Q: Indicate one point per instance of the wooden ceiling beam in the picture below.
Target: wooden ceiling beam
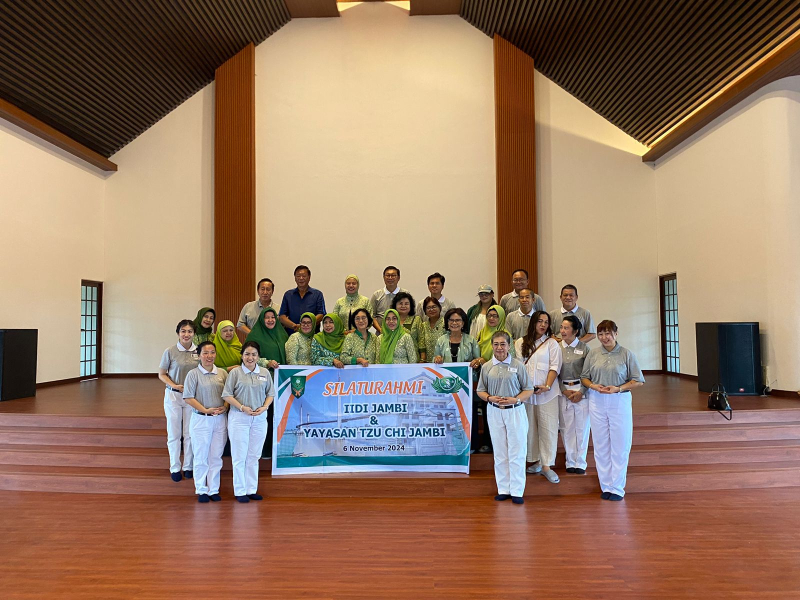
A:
(782, 62)
(42, 130)
(435, 7)
(312, 9)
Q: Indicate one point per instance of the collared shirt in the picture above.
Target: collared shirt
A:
(205, 386)
(583, 315)
(381, 301)
(345, 306)
(293, 306)
(177, 361)
(250, 388)
(611, 368)
(445, 304)
(298, 349)
(517, 323)
(250, 313)
(405, 352)
(510, 302)
(546, 357)
(507, 378)
(468, 349)
(356, 347)
(573, 357)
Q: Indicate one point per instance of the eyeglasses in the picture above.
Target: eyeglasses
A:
(456, 321)
(518, 280)
(432, 307)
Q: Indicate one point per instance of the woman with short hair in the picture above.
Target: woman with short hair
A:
(360, 347)
(404, 304)
(610, 373)
(249, 391)
(203, 392)
(431, 329)
(573, 405)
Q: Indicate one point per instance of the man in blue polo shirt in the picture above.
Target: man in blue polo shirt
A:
(300, 300)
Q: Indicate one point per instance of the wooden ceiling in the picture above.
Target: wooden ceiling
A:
(644, 65)
(102, 72)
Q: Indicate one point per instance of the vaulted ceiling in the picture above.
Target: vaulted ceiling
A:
(104, 71)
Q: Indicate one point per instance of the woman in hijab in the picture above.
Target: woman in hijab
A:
(204, 325)
(351, 301)
(229, 348)
(396, 347)
(327, 344)
(271, 338)
(298, 347)
(495, 321)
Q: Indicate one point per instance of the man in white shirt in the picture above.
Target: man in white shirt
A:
(251, 310)
(435, 289)
(510, 302)
(381, 300)
(569, 306)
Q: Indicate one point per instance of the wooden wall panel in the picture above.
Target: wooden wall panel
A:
(435, 7)
(312, 9)
(515, 164)
(235, 184)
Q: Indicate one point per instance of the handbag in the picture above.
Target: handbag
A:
(718, 401)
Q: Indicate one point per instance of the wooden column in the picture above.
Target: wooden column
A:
(515, 164)
(235, 184)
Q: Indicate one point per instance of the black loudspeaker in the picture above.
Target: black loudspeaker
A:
(18, 363)
(729, 354)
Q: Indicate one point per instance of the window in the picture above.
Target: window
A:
(670, 349)
(91, 327)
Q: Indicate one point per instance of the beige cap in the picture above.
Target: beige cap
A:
(485, 288)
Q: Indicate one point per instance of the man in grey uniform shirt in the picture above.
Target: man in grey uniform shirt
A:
(251, 310)
(569, 306)
(517, 322)
(436, 290)
(510, 302)
(381, 300)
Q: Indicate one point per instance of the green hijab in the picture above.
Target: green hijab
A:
(198, 321)
(389, 339)
(332, 341)
(313, 318)
(485, 336)
(356, 295)
(272, 342)
(229, 354)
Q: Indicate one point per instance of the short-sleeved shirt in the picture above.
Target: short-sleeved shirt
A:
(510, 302)
(298, 349)
(250, 388)
(381, 301)
(177, 361)
(611, 368)
(573, 356)
(293, 306)
(356, 347)
(445, 304)
(205, 386)
(584, 316)
(517, 323)
(250, 313)
(504, 378)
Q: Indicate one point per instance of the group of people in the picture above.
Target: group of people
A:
(218, 388)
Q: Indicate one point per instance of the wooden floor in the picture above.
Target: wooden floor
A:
(145, 397)
(733, 545)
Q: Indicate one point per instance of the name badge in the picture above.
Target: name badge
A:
(262, 377)
(512, 370)
(578, 351)
(195, 356)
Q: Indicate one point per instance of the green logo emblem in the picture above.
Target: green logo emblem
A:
(447, 385)
(298, 385)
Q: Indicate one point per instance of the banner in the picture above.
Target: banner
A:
(376, 418)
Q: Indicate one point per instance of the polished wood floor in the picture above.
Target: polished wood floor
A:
(733, 545)
(145, 397)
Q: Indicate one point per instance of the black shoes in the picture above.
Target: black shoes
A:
(518, 499)
(570, 469)
(501, 497)
(176, 476)
(215, 497)
(605, 495)
(255, 496)
(203, 498)
(243, 499)
(614, 497)
(579, 471)
(188, 474)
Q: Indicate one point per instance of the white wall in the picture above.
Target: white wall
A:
(52, 212)
(377, 131)
(159, 236)
(728, 214)
(597, 219)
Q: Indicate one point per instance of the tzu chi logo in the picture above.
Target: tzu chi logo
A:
(446, 385)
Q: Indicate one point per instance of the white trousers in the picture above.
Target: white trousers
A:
(178, 416)
(247, 435)
(612, 435)
(543, 432)
(209, 434)
(575, 428)
(509, 430)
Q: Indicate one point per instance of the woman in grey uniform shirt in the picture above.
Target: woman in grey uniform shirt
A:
(504, 384)
(249, 391)
(610, 373)
(572, 402)
(203, 392)
(176, 362)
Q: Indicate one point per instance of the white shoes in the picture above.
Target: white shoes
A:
(534, 469)
(551, 476)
